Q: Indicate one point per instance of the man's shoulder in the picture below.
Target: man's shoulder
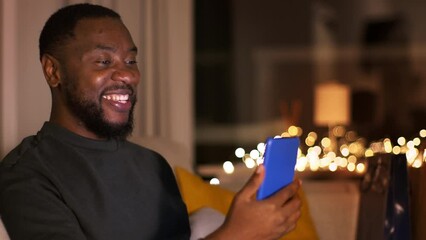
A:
(20, 150)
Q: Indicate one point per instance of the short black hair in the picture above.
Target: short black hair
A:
(60, 26)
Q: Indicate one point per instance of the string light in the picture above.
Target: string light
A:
(350, 156)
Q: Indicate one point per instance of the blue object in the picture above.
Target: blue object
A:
(279, 161)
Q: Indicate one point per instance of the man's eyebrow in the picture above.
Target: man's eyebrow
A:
(113, 49)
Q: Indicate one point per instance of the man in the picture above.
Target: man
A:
(79, 178)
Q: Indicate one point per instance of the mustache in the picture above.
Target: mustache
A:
(120, 87)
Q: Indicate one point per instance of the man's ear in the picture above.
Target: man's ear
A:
(51, 70)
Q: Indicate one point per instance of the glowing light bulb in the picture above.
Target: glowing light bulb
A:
(332, 167)
(293, 131)
(422, 133)
(326, 142)
(254, 154)
(417, 163)
(240, 152)
(401, 141)
(351, 167)
(352, 159)
(416, 141)
(261, 147)
(388, 145)
(228, 167)
(214, 181)
(369, 153)
(301, 164)
(396, 150)
(250, 163)
(360, 167)
(344, 150)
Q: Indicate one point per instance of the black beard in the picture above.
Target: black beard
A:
(92, 115)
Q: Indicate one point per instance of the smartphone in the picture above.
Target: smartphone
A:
(279, 161)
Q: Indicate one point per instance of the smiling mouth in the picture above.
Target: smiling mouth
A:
(121, 98)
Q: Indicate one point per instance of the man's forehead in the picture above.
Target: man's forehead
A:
(98, 24)
(103, 33)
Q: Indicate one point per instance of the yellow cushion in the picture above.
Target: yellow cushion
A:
(197, 194)
(305, 229)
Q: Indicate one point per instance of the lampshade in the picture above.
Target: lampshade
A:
(332, 104)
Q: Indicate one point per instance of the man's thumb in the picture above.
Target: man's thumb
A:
(254, 182)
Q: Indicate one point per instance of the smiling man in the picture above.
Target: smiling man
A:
(79, 178)
(93, 76)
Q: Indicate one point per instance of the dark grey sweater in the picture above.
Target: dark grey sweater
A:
(59, 185)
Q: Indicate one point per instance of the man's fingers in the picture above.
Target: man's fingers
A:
(286, 193)
(293, 209)
(291, 212)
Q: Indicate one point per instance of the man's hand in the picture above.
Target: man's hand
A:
(271, 218)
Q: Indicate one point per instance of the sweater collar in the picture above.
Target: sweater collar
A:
(64, 135)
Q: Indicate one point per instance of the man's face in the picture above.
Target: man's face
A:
(100, 76)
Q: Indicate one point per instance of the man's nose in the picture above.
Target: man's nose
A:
(126, 75)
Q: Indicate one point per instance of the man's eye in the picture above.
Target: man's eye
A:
(131, 62)
(104, 62)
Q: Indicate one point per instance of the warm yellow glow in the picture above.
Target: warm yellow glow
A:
(360, 167)
(396, 150)
(301, 164)
(417, 163)
(422, 133)
(313, 135)
(401, 141)
(310, 141)
(214, 181)
(345, 156)
(312, 156)
(250, 163)
(285, 134)
(299, 153)
(300, 168)
(254, 154)
(416, 141)
(376, 147)
(332, 167)
(317, 150)
(324, 162)
(299, 131)
(388, 145)
(240, 152)
(411, 155)
(351, 136)
(261, 147)
(369, 153)
(228, 167)
(331, 155)
(326, 142)
(354, 147)
(339, 131)
(344, 150)
(351, 167)
(293, 131)
(314, 164)
(352, 159)
(343, 162)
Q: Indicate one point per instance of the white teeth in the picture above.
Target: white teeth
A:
(117, 97)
